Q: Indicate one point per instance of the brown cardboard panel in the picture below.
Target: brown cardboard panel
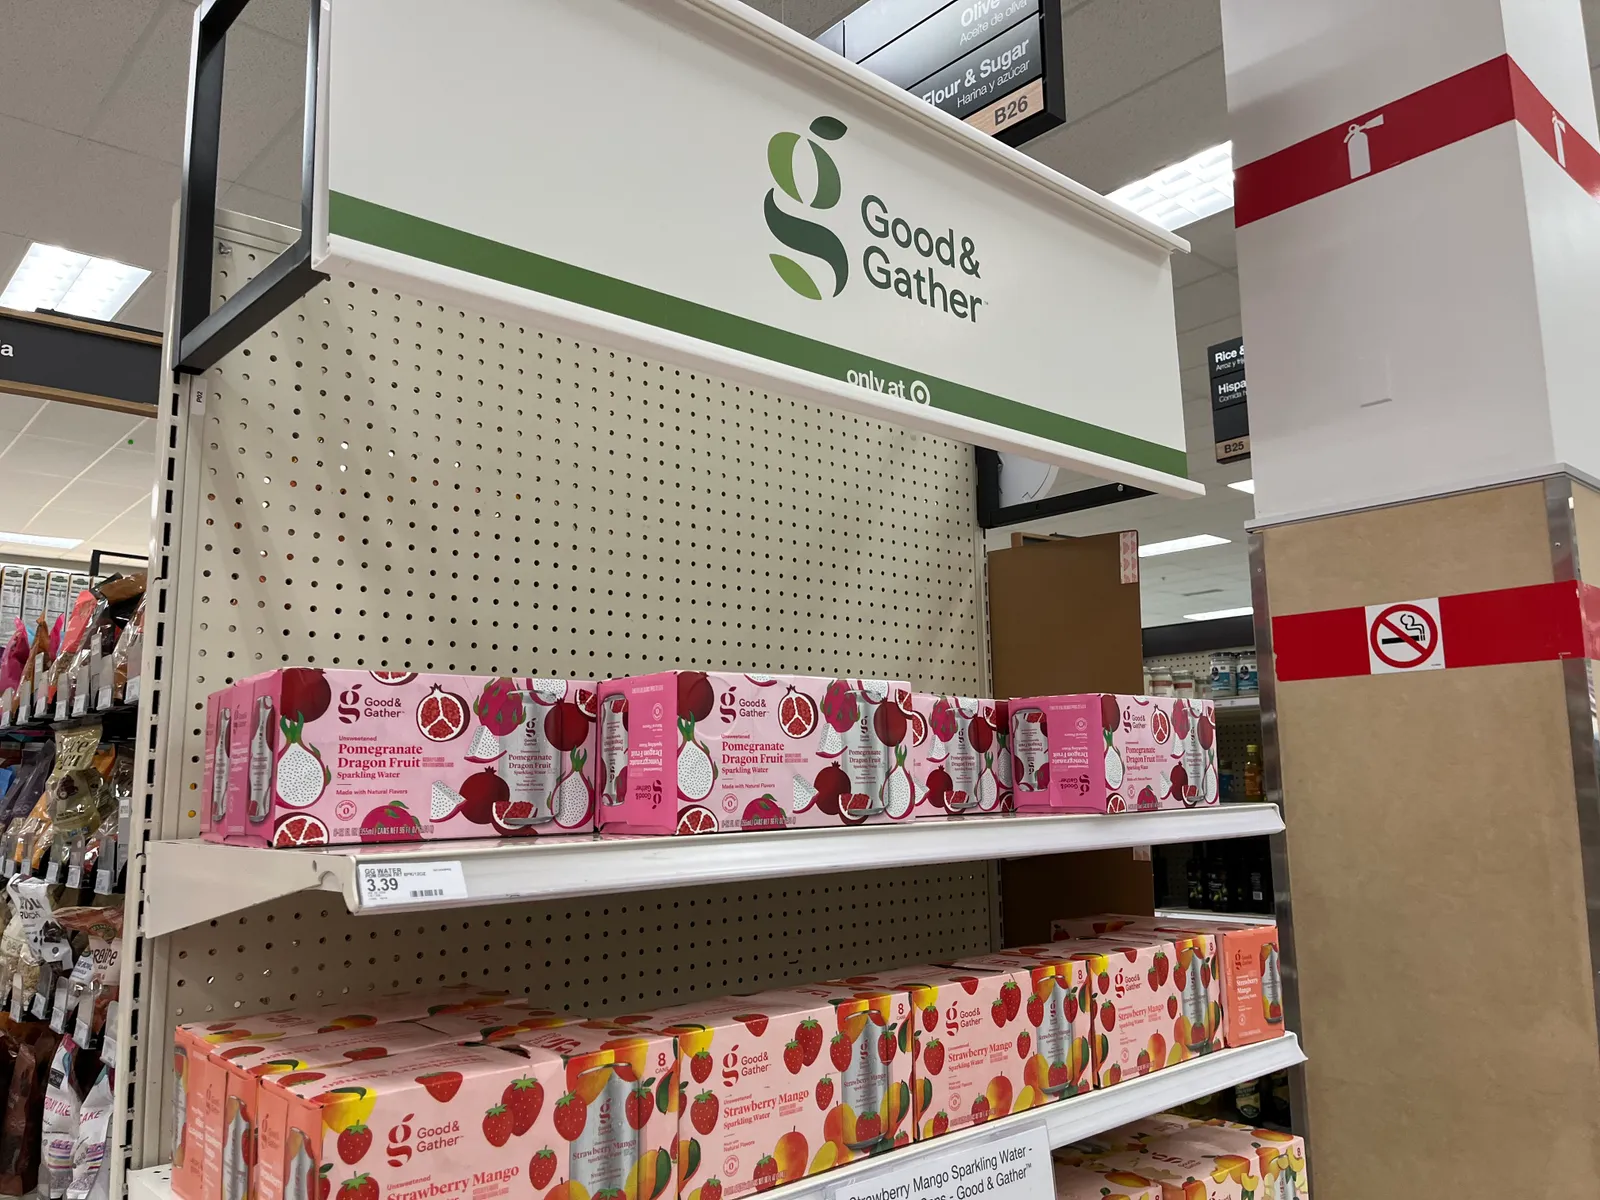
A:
(1035, 891)
(1586, 516)
(1061, 620)
(1468, 543)
(1439, 916)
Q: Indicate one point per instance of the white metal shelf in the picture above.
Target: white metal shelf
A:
(1065, 1121)
(189, 882)
(1237, 703)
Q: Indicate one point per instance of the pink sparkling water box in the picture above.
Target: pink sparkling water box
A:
(1100, 753)
(337, 757)
(960, 755)
(698, 752)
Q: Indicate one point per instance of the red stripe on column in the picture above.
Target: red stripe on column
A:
(1538, 116)
(1320, 645)
(1513, 625)
(1446, 112)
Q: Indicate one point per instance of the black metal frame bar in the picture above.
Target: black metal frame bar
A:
(992, 514)
(201, 335)
(94, 560)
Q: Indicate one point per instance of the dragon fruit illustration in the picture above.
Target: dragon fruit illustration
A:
(547, 691)
(500, 709)
(301, 777)
(444, 801)
(697, 771)
(390, 822)
(1114, 768)
(875, 690)
(898, 792)
(573, 796)
(841, 710)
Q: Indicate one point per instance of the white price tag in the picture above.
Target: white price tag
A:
(9, 867)
(80, 702)
(52, 872)
(19, 996)
(81, 1032)
(410, 883)
(102, 882)
(102, 698)
(1014, 1166)
(74, 876)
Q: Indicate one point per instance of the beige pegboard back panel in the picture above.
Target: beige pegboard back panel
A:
(377, 481)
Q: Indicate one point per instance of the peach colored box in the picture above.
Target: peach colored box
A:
(579, 1116)
(1181, 1174)
(781, 1085)
(1247, 962)
(340, 756)
(1075, 1183)
(972, 1051)
(692, 752)
(1056, 1011)
(960, 755)
(1103, 753)
(1154, 1003)
(1135, 1135)
(496, 1022)
(1279, 1158)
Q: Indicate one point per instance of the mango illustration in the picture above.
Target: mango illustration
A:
(827, 1157)
(688, 1160)
(840, 1124)
(1026, 1099)
(347, 1106)
(999, 1096)
(792, 1155)
(569, 1189)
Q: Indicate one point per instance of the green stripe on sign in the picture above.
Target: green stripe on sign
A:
(402, 233)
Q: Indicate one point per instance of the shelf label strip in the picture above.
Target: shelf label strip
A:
(384, 884)
(1015, 1165)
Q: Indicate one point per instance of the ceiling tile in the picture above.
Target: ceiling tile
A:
(1113, 49)
(80, 423)
(1213, 240)
(1207, 302)
(30, 185)
(238, 198)
(57, 61)
(145, 114)
(809, 17)
(1192, 345)
(263, 89)
(125, 467)
(147, 309)
(51, 455)
(131, 221)
(286, 19)
(15, 414)
(277, 170)
(1190, 268)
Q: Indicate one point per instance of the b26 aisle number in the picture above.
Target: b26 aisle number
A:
(1010, 110)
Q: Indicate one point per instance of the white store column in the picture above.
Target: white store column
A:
(1418, 210)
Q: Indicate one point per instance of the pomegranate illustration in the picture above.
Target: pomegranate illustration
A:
(393, 678)
(940, 786)
(797, 714)
(391, 822)
(1110, 713)
(943, 728)
(305, 694)
(573, 797)
(840, 709)
(442, 716)
(899, 792)
(301, 777)
(763, 813)
(515, 818)
(824, 792)
(889, 723)
(565, 726)
(480, 792)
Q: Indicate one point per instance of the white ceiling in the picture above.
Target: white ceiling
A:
(92, 96)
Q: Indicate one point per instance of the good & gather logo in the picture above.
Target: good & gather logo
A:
(797, 233)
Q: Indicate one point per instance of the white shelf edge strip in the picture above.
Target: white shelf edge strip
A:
(1065, 1121)
(190, 882)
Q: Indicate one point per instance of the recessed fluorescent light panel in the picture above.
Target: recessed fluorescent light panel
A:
(1219, 614)
(1248, 486)
(1199, 541)
(1185, 192)
(69, 282)
(35, 539)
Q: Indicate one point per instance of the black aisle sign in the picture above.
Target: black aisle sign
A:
(61, 358)
(996, 64)
(1230, 407)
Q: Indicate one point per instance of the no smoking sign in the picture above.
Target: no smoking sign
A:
(1405, 637)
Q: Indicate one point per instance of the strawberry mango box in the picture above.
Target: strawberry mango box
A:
(1187, 1159)
(1100, 753)
(578, 1112)
(782, 1085)
(960, 755)
(1246, 960)
(690, 752)
(306, 757)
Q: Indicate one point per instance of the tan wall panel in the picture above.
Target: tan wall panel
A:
(1439, 907)
(1467, 543)
(1586, 516)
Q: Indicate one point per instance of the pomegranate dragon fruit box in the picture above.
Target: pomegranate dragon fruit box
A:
(306, 757)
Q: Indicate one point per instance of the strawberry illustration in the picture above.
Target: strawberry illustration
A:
(524, 1098)
(497, 1125)
(930, 1018)
(703, 1112)
(756, 1023)
(839, 1051)
(1022, 1044)
(324, 1182)
(1011, 994)
(1108, 1016)
(638, 1106)
(1035, 1011)
(869, 1127)
(941, 1123)
(886, 1046)
(1162, 967)
(441, 1085)
(542, 1169)
(980, 1110)
(933, 1057)
(571, 1116)
(902, 1138)
(809, 1035)
(359, 1187)
(1058, 1076)
(997, 1010)
(824, 1095)
(1172, 1008)
(700, 1065)
(354, 1142)
(1071, 1005)
(793, 1057)
(1103, 982)
(365, 1053)
(766, 1173)
(1114, 1073)
(711, 1189)
(969, 986)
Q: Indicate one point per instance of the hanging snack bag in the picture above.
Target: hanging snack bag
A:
(90, 1179)
(126, 667)
(57, 695)
(60, 1122)
(20, 1127)
(16, 657)
(33, 671)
